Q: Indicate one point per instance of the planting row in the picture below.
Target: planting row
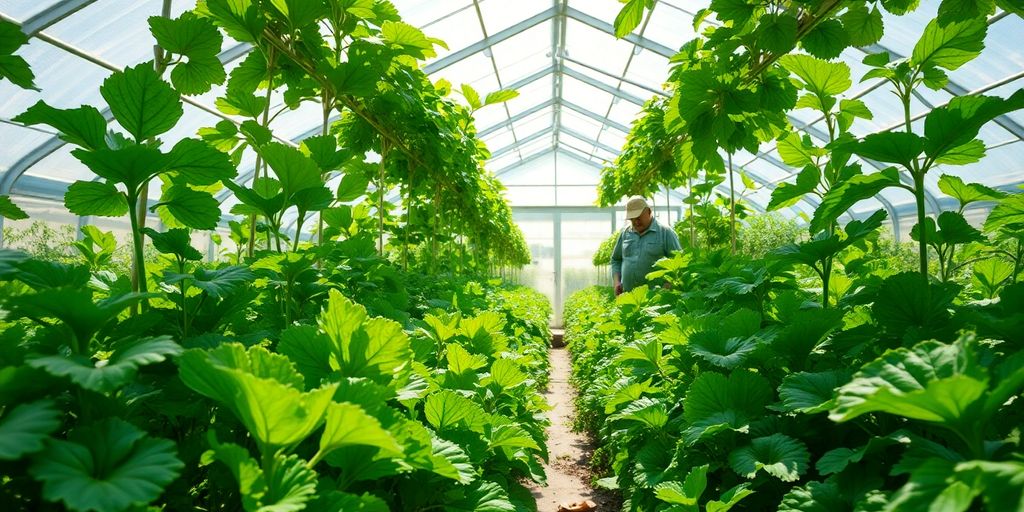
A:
(322, 381)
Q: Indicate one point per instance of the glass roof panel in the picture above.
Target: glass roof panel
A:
(1001, 166)
(533, 123)
(499, 139)
(21, 10)
(573, 172)
(530, 95)
(583, 146)
(458, 30)
(624, 112)
(595, 48)
(499, 15)
(648, 68)
(18, 142)
(52, 68)
(497, 164)
(425, 13)
(122, 39)
(612, 137)
(585, 95)
(583, 125)
(490, 115)
(524, 54)
(670, 26)
(535, 172)
(902, 32)
(574, 195)
(1005, 91)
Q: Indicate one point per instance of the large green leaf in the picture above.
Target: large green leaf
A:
(108, 467)
(506, 373)
(863, 25)
(827, 39)
(24, 428)
(260, 389)
(630, 16)
(141, 102)
(715, 402)
(720, 349)
(409, 38)
(107, 375)
(349, 425)
(374, 348)
(72, 306)
(814, 497)
(908, 305)
(83, 126)
(177, 242)
(811, 393)
(858, 188)
(295, 170)
(289, 486)
(447, 409)
(241, 19)
(198, 163)
(778, 455)
(472, 96)
(892, 147)
(949, 46)
(1008, 215)
(309, 350)
(482, 496)
(686, 493)
(131, 165)
(646, 411)
(13, 67)
(957, 123)
(323, 149)
(95, 198)
(199, 41)
(192, 208)
(222, 282)
(9, 210)
(787, 194)
(352, 187)
(776, 32)
(931, 381)
(821, 77)
(967, 193)
(952, 229)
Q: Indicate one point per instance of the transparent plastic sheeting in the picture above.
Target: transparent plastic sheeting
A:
(582, 112)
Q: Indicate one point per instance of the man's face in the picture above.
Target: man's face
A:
(641, 223)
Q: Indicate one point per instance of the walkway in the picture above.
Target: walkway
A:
(568, 467)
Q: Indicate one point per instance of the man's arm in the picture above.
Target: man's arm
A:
(617, 265)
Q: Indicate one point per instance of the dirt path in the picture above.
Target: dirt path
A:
(568, 467)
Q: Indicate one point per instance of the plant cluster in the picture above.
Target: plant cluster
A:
(736, 388)
(268, 386)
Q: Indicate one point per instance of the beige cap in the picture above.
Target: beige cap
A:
(635, 206)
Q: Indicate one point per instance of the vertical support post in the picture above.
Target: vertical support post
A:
(558, 267)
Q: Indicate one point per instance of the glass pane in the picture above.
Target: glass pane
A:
(670, 26)
(525, 53)
(459, 30)
(424, 13)
(530, 95)
(539, 231)
(595, 48)
(499, 15)
(624, 112)
(582, 234)
(539, 171)
(18, 142)
(648, 68)
(585, 126)
(585, 95)
(21, 10)
(605, 10)
(573, 172)
(528, 195)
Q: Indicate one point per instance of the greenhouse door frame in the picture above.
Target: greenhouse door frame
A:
(614, 214)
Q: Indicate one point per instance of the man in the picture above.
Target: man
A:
(641, 244)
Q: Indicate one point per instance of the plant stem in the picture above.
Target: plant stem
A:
(140, 264)
(732, 207)
(922, 234)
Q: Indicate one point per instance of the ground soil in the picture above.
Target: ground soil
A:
(568, 467)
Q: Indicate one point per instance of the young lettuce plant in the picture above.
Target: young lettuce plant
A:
(146, 107)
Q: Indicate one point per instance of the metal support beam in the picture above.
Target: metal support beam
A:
(53, 15)
(574, 133)
(609, 29)
(596, 117)
(521, 142)
(522, 115)
(478, 46)
(591, 81)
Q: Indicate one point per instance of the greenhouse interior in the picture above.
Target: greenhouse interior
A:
(495, 255)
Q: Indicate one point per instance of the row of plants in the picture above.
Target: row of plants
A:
(268, 385)
(736, 388)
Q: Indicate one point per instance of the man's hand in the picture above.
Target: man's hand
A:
(618, 289)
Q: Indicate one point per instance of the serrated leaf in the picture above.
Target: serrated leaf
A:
(931, 381)
(967, 193)
(687, 493)
(192, 208)
(715, 402)
(83, 126)
(506, 373)
(811, 393)
(777, 32)
(482, 496)
(24, 428)
(863, 25)
(198, 163)
(241, 19)
(109, 466)
(472, 97)
(958, 122)
(349, 425)
(10, 210)
(788, 194)
(778, 455)
(107, 375)
(222, 282)
(1008, 214)
(352, 187)
(447, 409)
(501, 96)
(841, 198)
(174, 241)
(826, 40)
(141, 102)
(949, 46)
(375, 348)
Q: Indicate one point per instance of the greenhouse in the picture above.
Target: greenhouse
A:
(496, 255)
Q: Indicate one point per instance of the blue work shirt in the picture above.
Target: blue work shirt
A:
(634, 254)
